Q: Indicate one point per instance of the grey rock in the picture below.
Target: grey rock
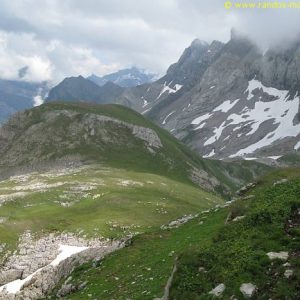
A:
(218, 290)
(278, 255)
(288, 273)
(248, 289)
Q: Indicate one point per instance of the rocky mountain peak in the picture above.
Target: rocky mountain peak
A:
(197, 43)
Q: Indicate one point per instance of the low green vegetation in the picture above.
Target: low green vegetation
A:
(141, 270)
(238, 253)
(94, 201)
(227, 245)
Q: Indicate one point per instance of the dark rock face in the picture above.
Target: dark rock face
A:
(81, 89)
(242, 103)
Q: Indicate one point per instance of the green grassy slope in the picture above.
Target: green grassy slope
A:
(210, 251)
(238, 253)
(141, 270)
(95, 201)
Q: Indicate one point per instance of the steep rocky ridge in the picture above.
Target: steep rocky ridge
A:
(246, 103)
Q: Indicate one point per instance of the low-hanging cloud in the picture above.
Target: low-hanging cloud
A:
(56, 39)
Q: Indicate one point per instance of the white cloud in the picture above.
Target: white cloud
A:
(64, 38)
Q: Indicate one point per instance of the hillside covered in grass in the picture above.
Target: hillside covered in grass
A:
(59, 133)
(253, 242)
(89, 178)
(94, 201)
(258, 246)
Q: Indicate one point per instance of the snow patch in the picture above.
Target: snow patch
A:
(145, 103)
(201, 119)
(255, 84)
(275, 157)
(281, 111)
(297, 146)
(169, 90)
(226, 106)
(65, 252)
(212, 153)
(166, 118)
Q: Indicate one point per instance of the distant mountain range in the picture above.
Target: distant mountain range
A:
(223, 100)
(125, 78)
(17, 95)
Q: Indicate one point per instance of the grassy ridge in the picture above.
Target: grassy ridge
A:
(173, 160)
(238, 253)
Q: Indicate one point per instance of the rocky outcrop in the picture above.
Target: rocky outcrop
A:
(203, 179)
(37, 258)
(22, 141)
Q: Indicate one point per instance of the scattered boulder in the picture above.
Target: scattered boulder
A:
(248, 197)
(238, 218)
(65, 290)
(280, 182)
(218, 290)
(246, 188)
(278, 255)
(3, 220)
(248, 289)
(288, 273)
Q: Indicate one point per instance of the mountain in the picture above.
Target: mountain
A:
(19, 95)
(244, 103)
(225, 100)
(73, 89)
(114, 135)
(125, 78)
(81, 180)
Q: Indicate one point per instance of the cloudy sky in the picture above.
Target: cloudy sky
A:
(59, 38)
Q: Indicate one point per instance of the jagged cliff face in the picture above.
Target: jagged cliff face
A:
(242, 103)
(180, 78)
